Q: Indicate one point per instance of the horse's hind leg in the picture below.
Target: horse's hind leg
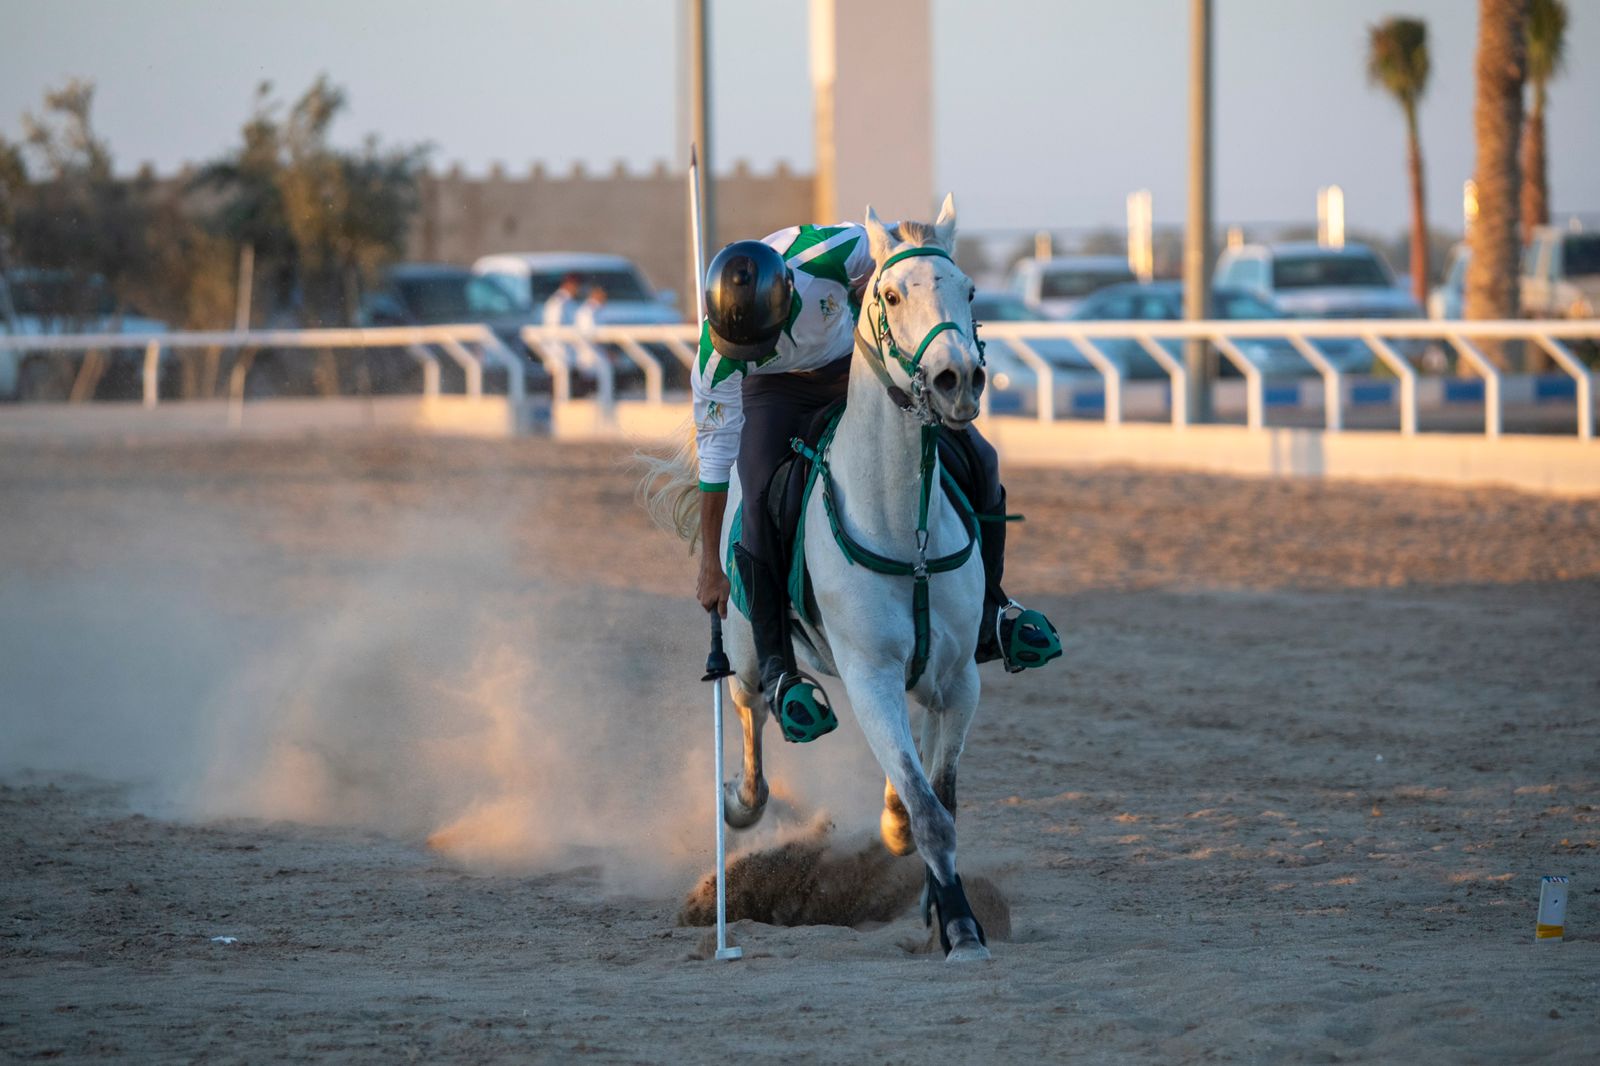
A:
(894, 825)
(744, 801)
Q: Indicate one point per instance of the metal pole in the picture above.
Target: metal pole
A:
(1197, 240)
(700, 121)
(697, 251)
(717, 668)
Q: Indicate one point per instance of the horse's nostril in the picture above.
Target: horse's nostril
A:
(978, 379)
(946, 381)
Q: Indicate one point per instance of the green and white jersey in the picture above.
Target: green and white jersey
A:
(830, 265)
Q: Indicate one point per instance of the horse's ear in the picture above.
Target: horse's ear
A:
(945, 224)
(880, 241)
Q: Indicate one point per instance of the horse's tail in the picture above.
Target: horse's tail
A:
(670, 487)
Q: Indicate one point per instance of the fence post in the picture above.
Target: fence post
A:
(152, 373)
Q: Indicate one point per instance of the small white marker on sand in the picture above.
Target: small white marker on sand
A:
(1552, 910)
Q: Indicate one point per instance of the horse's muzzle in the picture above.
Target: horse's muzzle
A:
(954, 394)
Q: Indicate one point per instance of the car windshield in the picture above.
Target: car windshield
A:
(454, 298)
(617, 284)
(1070, 284)
(1580, 255)
(1002, 309)
(1240, 305)
(1327, 271)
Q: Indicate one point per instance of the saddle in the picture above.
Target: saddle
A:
(790, 488)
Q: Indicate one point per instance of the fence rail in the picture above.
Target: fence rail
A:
(564, 350)
(469, 346)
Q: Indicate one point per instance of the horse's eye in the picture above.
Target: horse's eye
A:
(972, 294)
(891, 298)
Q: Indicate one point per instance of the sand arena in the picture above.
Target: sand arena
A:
(417, 723)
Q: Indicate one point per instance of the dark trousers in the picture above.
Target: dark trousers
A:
(778, 407)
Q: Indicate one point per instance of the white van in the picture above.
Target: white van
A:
(533, 276)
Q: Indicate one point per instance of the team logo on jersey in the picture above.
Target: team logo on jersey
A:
(713, 414)
(829, 305)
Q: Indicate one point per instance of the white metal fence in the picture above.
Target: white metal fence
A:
(567, 351)
(470, 346)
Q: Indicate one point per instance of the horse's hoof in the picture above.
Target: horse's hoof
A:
(895, 828)
(972, 951)
(737, 813)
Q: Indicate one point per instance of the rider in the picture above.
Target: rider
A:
(774, 350)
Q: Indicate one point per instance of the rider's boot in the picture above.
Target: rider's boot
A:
(1022, 638)
(798, 701)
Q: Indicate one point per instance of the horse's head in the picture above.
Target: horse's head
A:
(918, 312)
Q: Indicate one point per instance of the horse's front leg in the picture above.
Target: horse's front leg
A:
(744, 801)
(878, 697)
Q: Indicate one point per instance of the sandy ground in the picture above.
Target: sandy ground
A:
(417, 723)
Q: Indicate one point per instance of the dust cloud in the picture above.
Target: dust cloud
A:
(422, 690)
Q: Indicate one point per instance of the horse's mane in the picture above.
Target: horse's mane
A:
(920, 234)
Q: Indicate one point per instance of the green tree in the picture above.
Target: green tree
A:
(1546, 44)
(1397, 61)
(322, 221)
(75, 216)
(1491, 291)
(248, 203)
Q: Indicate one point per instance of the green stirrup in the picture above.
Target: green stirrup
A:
(803, 710)
(1030, 639)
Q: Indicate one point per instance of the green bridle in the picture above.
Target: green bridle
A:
(921, 567)
(884, 345)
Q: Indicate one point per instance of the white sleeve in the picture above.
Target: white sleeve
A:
(718, 386)
(859, 266)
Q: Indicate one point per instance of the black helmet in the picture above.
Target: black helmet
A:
(748, 291)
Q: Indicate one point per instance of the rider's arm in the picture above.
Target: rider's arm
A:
(711, 586)
(718, 387)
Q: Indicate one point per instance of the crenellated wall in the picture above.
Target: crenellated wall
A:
(640, 215)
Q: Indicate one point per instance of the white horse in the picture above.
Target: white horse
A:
(919, 301)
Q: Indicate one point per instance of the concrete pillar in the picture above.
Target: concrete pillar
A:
(872, 77)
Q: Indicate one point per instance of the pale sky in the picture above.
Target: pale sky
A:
(1046, 113)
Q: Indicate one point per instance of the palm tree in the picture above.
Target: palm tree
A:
(1397, 60)
(1497, 124)
(1547, 30)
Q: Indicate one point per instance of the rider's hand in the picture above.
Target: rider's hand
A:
(712, 587)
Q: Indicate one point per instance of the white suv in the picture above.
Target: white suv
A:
(1305, 280)
(1561, 274)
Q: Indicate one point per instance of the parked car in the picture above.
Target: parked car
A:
(436, 294)
(1162, 301)
(1305, 280)
(431, 294)
(54, 302)
(1561, 274)
(1054, 287)
(533, 276)
(991, 306)
(1448, 297)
